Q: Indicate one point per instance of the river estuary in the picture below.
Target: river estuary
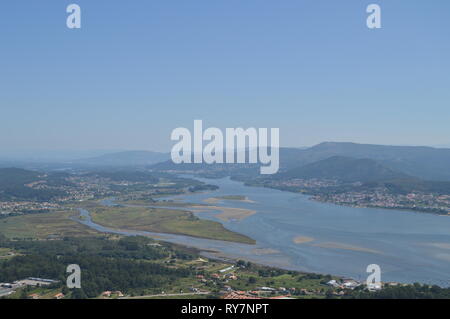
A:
(293, 232)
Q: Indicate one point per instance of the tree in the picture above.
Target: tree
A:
(329, 294)
(78, 294)
(24, 293)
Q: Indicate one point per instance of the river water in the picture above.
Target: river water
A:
(293, 232)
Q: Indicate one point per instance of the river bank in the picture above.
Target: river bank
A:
(409, 247)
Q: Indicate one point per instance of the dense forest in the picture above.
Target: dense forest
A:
(139, 265)
(13, 181)
(122, 175)
(127, 265)
(415, 291)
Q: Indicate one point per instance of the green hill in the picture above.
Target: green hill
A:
(344, 169)
(11, 177)
(427, 163)
(371, 174)
(13, 183)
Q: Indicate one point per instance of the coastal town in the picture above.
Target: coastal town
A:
(352, 194)
(49, 194)
(381, 198)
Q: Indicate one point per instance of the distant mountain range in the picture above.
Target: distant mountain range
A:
(380, 162)
(344, 169)
(398, 168)
(370, 173)
(422, 162)
(124, 159)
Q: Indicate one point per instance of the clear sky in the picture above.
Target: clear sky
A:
(138, 69)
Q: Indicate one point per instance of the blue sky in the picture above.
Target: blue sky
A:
(138, 69)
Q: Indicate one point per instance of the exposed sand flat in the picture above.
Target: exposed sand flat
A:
(345, 247)
(302, 239)
(212, 200)
(227, 213)
(265, 251)
(215, 200)
(202, 260)
(443, 256)
(439, 245)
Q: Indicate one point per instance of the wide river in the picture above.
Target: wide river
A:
(293, 232)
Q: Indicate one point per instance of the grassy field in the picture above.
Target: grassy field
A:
(164, 221)
(6, 253)
(142, 202)
(44, 293)
(233, 197)
(43, 226)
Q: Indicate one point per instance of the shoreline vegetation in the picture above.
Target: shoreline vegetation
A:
(300, 240)
(403, 209)
(237, 198)
(54, 225)
(163, 220)
(226, 214)
(58, 225)
(163, 270)
(159, 270)
(64, 223)
(157, 215)
(145, 207)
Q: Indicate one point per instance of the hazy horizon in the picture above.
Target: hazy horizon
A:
(67, 155)
(136, 71)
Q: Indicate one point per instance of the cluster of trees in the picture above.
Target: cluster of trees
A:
(202, 188)
(29, 194)
(130, 176)
(127, 247)
(129, 264)
(275, 272)
(415, 291)
(13, 181)
(16, 177)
